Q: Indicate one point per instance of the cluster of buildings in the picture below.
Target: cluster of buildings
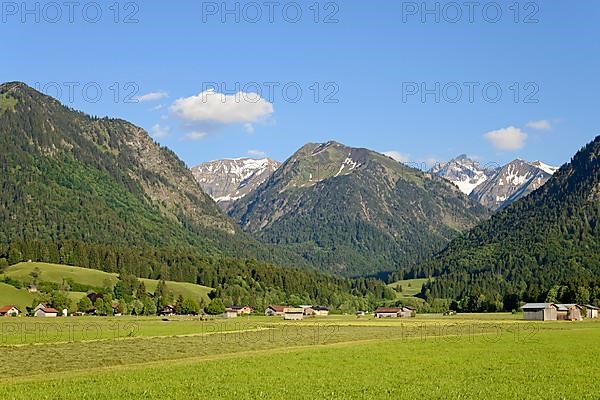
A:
(559, 312)
(395, 312)
(296, 313)
(41, 311)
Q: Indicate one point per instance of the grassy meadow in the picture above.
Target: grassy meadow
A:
(491, 356)
(56, 273)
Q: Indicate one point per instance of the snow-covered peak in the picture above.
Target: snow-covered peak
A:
(511, 182)
(545, 167)
(231, 179)
(464, 172)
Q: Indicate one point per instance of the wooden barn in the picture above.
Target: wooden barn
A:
(321, 311)
(540, 311)
(293, 313)
(230, 313)
(395, 312)
(593, 312)
(569, 312)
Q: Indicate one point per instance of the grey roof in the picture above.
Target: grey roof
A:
(536, 306)
(566, 307)
(591, 307)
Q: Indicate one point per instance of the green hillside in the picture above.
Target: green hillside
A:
(56, 273)
(100, 193)
(408, 287)
(11, 296)
(544, 247)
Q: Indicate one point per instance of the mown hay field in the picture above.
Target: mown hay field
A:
(437, 357)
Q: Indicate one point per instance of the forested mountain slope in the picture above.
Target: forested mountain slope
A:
(545, 246)
(353, 211)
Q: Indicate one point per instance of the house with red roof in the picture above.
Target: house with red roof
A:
(9, 311)
(43, 311)
(275, 310)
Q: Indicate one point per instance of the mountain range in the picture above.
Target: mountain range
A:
(100, 193)
(495, 187)
(352, 211)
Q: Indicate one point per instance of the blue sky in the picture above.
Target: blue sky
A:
(370, 60)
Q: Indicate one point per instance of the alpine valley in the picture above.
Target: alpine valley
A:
(321, 227)
(100, 193)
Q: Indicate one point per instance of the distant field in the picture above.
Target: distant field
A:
(10, 295)
(410, 287)
(491, 356)
(56, 273)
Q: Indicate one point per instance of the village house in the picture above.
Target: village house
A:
(321, 311)
(569, 312)
(293, 313)
(241, 310)
(361, 313)
(395, 312)
(275, 311)
(593, 312)
(32, 289)
(168, 310)
(540, 311)
(308, 311)
(43, 311)
(9, 311)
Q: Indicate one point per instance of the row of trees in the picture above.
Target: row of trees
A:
(129, 297)
(236, 281)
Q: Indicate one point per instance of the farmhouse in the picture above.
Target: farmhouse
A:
(168, 310)
(592, 311)
(32, 288)
(43, 311)
(292, 313)
(241, 310)
(275, 310)
(308, 311)
(9, 311)
(321, 311)
(395, 312)
(569, 312)
(540, 311)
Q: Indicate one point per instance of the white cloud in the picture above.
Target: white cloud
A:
(510, 138)
(541, 125)
(195, 136)
(159, 131)
(249, 128)
(156, 108)
(210, 106)
(396, 155)
(152, 96)
(257, 153)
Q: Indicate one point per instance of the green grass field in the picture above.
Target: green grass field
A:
(10, 295)
(56, 273)
(492, 356)
(410, 288)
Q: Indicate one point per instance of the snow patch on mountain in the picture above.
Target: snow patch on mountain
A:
(231, 179)
(464, 172)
